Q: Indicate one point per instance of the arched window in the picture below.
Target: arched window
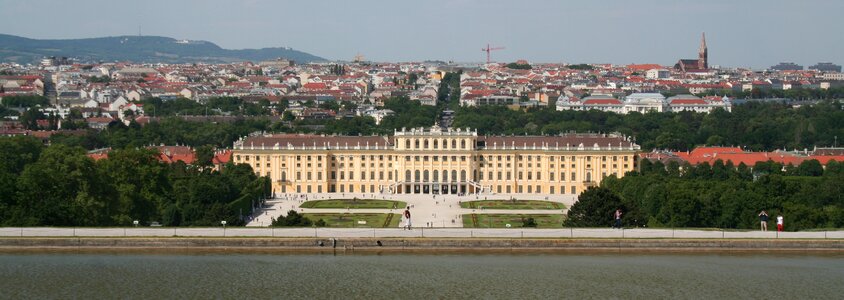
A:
(463, 175)
(462, 144)
(426, 144)
(436, 144)
(407, 176)
(436, 175)
(453, 144)
(425, 177)
(407, 144)
(415, 144)
(445, 176)
(283, 176)
(416, 175)
(588, 176)
(453, 175)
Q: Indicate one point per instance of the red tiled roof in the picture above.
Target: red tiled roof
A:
(603, 102)
(309, 140)
(222, 157)
(644, 67)
(688, 101)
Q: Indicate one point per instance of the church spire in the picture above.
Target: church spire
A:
(703, 53)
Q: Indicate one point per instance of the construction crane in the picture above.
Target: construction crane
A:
(489, 49)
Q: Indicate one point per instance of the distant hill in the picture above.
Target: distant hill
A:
(153, 49)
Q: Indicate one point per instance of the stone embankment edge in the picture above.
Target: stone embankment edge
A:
(418, 245)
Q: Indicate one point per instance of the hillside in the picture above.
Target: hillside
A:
(137, 49)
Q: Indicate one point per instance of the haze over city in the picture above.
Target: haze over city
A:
(754, 34)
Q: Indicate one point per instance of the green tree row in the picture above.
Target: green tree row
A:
(61, 186)
(717, 196)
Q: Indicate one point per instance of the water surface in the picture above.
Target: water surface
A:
(419, 276)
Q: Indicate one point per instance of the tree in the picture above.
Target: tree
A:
(288, 116)
(594, 208)
(293, 219)
(204, 155)
(63, 188)
(810, 167)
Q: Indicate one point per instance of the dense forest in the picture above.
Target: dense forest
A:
(718, 196)
(60, 185)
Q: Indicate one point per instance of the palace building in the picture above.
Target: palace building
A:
(436, 161)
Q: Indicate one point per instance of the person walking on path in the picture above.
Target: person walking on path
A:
(779, 222)
(763, 220)
(617, 218)
(407, 223)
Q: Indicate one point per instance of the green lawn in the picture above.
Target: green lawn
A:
(354, 203)
(352, 220)
(511, 204)
(515, 220)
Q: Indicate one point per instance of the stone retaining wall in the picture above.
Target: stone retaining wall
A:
(419, 244)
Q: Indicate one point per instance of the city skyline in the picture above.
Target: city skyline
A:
(755, 34)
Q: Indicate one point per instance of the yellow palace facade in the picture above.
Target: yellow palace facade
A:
(436, 161)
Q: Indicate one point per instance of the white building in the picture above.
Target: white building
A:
(657, 74)
(645, 102)
(696, 104)
(597, 102)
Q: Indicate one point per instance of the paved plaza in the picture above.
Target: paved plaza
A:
(436, 210)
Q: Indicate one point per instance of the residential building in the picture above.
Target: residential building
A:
(826, 67)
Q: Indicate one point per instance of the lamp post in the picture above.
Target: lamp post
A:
(224, 227)
(135, 222)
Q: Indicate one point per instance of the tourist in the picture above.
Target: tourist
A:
(407, 223)
(617, 218)
(779, 222)
(763, 219)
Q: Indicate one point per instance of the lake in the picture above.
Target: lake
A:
(419, 276)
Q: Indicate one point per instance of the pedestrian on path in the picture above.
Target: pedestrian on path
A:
(779, 222)
(407, 223)
(618, 214)
(763, 220)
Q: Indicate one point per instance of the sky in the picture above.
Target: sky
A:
(740, 33)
